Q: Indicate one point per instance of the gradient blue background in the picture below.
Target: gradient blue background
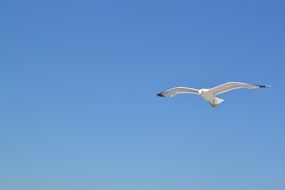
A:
(78, 108)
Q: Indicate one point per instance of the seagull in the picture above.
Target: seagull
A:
(210, 95)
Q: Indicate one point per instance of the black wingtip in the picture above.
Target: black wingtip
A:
(160, 94)
(263, 86)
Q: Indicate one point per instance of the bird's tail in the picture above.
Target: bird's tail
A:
(218, 100)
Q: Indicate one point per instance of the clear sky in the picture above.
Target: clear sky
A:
(78, 108)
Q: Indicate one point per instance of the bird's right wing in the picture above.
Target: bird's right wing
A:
(234, 85)
(177, 90)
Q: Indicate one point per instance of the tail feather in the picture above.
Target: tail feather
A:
(218, 100)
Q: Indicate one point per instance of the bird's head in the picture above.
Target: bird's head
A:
(200, 92)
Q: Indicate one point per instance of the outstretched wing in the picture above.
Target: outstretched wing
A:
(232, 86)
(177, 90)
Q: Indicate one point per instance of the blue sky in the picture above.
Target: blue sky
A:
(78, 108)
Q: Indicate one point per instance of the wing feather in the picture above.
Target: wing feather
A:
(234, 85)
(177, 90)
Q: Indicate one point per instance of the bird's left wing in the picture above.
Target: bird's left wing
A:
(234, 85)
(178, 90)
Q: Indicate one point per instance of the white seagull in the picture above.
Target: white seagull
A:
(210, 94)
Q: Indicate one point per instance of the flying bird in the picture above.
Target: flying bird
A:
(210, 95)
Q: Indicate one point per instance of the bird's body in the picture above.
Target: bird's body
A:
(210, 95)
